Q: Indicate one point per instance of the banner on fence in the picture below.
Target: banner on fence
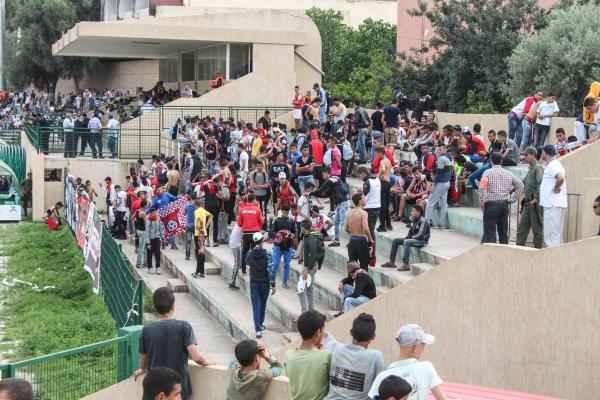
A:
(70, 202)
(85, 214)
(91, 250)
(172, 217)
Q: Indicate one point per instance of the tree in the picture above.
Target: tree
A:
(357, 63)
(473, 40)
(563, 58)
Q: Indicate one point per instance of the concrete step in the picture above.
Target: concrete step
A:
(176, 285)
(284, 306)
(421, 268)
(469, 220)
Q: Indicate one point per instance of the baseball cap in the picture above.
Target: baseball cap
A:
(411, 334)
(531, 150)
(282, 175)
(549, 149)
(257, 237)
(465, 129)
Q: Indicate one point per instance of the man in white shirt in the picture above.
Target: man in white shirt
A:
(95, 126)
(546, 110)
(244, 158)
(70, 138)
(121, 209)
(553, 197)
(420, 374)
(113, 127)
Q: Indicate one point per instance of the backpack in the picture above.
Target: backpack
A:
(342, 187)
(327, 157)
(163, 178)
(285, 194)
(224, 193)
(347, 153)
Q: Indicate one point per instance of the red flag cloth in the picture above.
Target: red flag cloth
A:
(172, 217)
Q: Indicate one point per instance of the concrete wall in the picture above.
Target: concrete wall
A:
(35, 165)
(124, 75)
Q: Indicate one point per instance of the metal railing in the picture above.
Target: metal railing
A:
(74, 373)
(122, 291)
(11, 137)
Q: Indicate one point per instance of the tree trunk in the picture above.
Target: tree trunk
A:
(76, 82)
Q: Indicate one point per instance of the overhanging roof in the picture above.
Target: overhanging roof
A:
(155, 39)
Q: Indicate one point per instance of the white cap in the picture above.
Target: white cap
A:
(257, 237)
(465, 129)
(411, 334)
(282, 175)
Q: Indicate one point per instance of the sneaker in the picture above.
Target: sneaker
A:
(335, 243)
(174, 247)
(408, 225)
(406, 220)
(285, 286)
(187, 258)
(262, 328)
(201, 275)
(402, 268)
(258, 334)
(151, 270)
(331, 214)
(138, 266)
(389, 227)
(388, 265)
(194, 275)
(157, 272)
(232, 286)
(381, 229)
(338, 314)
(295, 256)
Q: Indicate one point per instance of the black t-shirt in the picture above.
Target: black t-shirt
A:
(276, 169)
(211, 151)
(301, 163)
(391, 116)
(376, 120)
(165, 343)
(210, 195)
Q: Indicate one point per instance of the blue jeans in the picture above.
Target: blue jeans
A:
(212, 166)
(374, 135)
(476, 175)
(407, 243)
(287, 257)
(259, 293)
(303, 180)
(526, 132)
(539, 135)
(439, 196)
(142, 255)
(362, 143)
(476, 158)
(323, 113)
(96, 144)
(339, 219)
(348, 303)
(515, 130)
(112, 145)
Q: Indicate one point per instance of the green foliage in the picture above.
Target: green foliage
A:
(474, 38)
(66, 316)
(357, 63)
(41, 23)
(563, 58)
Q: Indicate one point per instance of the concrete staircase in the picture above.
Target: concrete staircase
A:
(233, 310)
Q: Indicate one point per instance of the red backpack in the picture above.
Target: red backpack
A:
(285, 194)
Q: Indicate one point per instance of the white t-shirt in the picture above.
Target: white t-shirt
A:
(519, 108)
(420, 374)
(401, 134)
(547, 196)
(244, 165)
(303, 207)
(545, 109)
(321, 221)
(121, 204)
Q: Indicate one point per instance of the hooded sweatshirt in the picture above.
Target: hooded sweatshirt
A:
(260, 262)
(250, 385)
(588, 117)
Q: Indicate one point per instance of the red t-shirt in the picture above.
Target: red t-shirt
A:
(317, 150)
(375, 166)
(300, 99)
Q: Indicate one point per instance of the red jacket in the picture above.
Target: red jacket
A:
(474, 146)
(375, 166)
(250, 217)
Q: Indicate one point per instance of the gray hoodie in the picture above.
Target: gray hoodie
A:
(249, 385)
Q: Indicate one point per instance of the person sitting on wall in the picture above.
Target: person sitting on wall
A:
(218, 81)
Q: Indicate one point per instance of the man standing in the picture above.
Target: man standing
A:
(322, 95)
(546, 110)
(260, 262)
(385, 170)
(497, 189)
(112, 126)
(95, 126)
(250, 219)
(532, 217)
(371, 189)
(362, 121)
(338, 196)
(314, 254)
(553, 197)
(70, 139)
(27, 186)
(121, 209)
(169, 342)
(297, 103)
(519, 126)
(391, 122)
(441, 185)
(357, 225)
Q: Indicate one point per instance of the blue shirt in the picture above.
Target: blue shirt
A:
(163, 200)
(190, 208)
(294, 158)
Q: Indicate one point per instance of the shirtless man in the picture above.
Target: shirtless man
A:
(385, 170)
(173, 179)
(357, 225)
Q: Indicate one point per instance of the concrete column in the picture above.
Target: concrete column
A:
(35, 165)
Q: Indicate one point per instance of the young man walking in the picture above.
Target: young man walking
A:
(314, 254)
(532, 216)
(353, 365)
(338, 196)
(441, 185)
(357, 225)
(250, 219)
(371, 190)
(385, 171)
(260, 262)
(169, 342)
(154, 241)
(284, 229)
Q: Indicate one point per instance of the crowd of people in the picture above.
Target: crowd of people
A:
(319, 368)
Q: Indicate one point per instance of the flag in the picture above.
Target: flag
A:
(172, 217)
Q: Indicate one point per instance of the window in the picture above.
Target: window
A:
(52, 175)
(211, 59)
(167, 69)
(240, 60)
(187, 66)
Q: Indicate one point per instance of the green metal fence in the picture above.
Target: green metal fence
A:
(14, 157)
(75, 373)
(11, 136)
(123, 292)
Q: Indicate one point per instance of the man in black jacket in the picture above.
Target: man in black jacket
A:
(356, 289)
(338, 196)
(260, 262)
(418, 236)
